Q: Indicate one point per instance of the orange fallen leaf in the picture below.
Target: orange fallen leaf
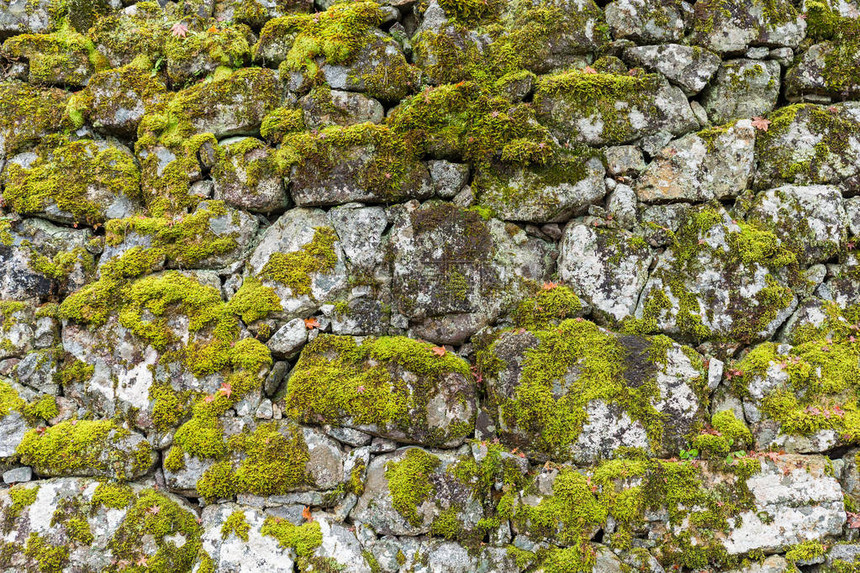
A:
(549, 286)
(306, 513)
(439, 350)
(589, 70)
(312, 323)
(760, 123)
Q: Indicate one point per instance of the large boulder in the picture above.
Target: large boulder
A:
(579, 393)
(455, 272)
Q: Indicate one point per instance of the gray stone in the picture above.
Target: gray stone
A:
(375, 506)
(608, 425)
(446, 292)
(448, 178)
(711, 164)
(742, 89)
(623, 160)
(289, 339)
(607, 267)
(247, 176)
(810, 220)
(534, 195)
(360, 230)
(723, 290)
(18, 475)
(292, 233)
(691, 68)
(746, 24)
(621, 206)
(336, 107)
(646, 20)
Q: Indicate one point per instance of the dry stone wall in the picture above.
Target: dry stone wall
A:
(437, 286)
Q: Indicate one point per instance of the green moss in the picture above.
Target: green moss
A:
(391, 173)
(29, 113)
(549, 306)
(45, 408)
(409, 482)
(123, 37)
(237, 525)
(66, 173)
(303, 539)
(294, 269)
(336, 35)
(218, 46)
(82, 445)
(821, 391)
(185, 240)
(49, 558)
(338, 380)
(805, 551)
(65, 56)
(9, 399)
(746, 245)
(22, 496)
(149, 530)
(796, 165)
(468, 121)
(113, 495)
(281, 121)
(273, 462)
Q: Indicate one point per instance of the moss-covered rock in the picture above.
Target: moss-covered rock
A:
(414, 491)
(731, 26)
(363, 162)
(247, 176)
(117, 99)
(715, 163)
(301, 258)
(722, 280)
(606, 108)
(197, 54)
(554, 193)
(64, 58)
(87, 448)
(577, 392)
(30, 113)
(74, 181)
(742, 89)
(390, 386)
(809, 220)
(455, 272)
(121, 37)
(808, 145)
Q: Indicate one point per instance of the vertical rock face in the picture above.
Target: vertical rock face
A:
(451, 286)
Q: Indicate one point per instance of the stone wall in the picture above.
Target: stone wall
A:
(443, 286)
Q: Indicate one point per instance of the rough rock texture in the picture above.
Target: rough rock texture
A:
(438, 286)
